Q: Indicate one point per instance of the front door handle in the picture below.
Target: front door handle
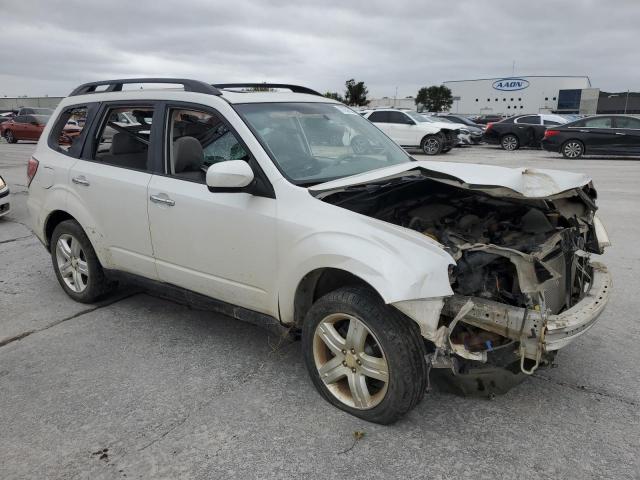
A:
(162, 199)
(81, 180)
(620, 133)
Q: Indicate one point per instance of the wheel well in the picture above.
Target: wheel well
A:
(318, 283)
(53, 220)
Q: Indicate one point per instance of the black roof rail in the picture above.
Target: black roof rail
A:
(293, 88)
(116, 85)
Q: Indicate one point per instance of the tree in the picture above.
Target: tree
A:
(434, 99)
(356, 93)
(335, 96)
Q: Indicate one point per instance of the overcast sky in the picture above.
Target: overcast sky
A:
(50, 46)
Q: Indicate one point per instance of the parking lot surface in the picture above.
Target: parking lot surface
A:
(139, 387)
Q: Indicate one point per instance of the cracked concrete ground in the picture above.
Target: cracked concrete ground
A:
(139, 387)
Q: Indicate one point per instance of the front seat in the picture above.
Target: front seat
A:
(188, 158)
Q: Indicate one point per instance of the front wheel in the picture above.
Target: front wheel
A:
(510, 142)
(432, 144)
(363, 356)
(572, 149)
(76, 265)
(10, 137)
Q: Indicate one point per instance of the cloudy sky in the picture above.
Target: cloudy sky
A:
(50, 46)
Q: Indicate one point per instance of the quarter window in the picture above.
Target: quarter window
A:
(66, 133)
(598, 122)
(123, 137)
(627, 122)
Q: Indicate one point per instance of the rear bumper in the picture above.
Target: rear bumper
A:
(550, 146)
(536, 334)
(5, 206)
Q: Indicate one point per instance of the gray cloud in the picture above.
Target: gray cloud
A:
(51, 46)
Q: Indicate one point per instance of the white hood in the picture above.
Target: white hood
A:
(496, 181)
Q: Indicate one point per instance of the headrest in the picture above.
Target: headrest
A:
(124, 143)
(187, 155)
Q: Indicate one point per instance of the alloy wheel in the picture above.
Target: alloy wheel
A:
(350, 361)
(572, 150)
(72, 263)
(509, 142)
(9, 136)
(431, 146)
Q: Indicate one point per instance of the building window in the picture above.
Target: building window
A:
(509, 106)
(496, 99)
(521, 106)
(519, 99)
(476, 99)
(554, 99)
(504, 99)
(546, 99)
(512, 99)
(488, 99)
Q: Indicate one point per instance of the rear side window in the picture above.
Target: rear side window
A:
(67, 132)
(379, 117)
(551, 122)
(597, 122)
(530, 120)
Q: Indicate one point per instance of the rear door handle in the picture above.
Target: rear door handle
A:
(162, 199)
(620, 133)
(81, 180)
(584, 131)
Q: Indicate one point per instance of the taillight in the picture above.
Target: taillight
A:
(489, 125)
(32, 168)
(551, 133)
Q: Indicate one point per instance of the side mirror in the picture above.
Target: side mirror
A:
(232, 174)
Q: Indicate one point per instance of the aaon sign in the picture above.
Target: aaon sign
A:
(510, 84)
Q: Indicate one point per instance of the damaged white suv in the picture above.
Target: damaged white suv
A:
(287, 208)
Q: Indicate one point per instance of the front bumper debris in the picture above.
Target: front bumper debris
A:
(537, 334)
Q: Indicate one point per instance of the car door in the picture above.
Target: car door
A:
(219, 244)
(598, 135)
(404, 129)
(32, 128)
(110, 183)
(382, 120)
(18, 127)
(528, 130)
(627, 131)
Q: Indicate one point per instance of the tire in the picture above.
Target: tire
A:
(77, 267)
(9, 137)
(432, 144)
(446, 150)
(510, 142)
(389, 340)
(572, 149)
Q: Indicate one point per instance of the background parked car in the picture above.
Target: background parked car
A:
(485, 119)
(607, 134)
(29, 127)
(521, 131)
(410, 129)
(34, 111)
(4, 198)
(474, 135)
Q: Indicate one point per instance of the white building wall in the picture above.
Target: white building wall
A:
(511, 95)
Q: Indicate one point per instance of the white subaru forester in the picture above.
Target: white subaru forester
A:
(276, 205)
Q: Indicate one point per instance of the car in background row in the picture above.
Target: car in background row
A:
(5, 206)
(474, 135)
(410, 129)
(30, 127)
(34, 111)
(485, 119)
(606, 134)
(461, 119)
(521, 131)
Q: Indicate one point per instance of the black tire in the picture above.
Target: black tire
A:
(399, 339)
(446, 150)
(572, 149)
(9, 137)
(97, 284)
(510, 142)
(432, 144)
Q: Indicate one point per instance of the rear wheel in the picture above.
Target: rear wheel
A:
(572, 149)
(510, 142)
(10, 137)
(76, 265)
(364, 357)
(446, 150)
(432, 144)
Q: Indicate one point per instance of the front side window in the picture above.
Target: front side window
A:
(598, 122)
(316, 142)
(399, 118)
(124, 143)
(628, 122)
(66, 132)
(198, 139)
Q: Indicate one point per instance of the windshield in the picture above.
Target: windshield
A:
(317, 142)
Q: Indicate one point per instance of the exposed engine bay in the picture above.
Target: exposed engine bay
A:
(527, 253)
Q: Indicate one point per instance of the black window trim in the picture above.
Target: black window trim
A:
(90, 142)
(77, 148)
(261, 186)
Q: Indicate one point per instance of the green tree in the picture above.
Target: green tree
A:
(436, 98)
(356, 93)
(335, 96)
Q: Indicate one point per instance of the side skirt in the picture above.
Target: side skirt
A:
(198, 301)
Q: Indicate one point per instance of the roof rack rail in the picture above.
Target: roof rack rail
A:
(293, 88)
(116, 85)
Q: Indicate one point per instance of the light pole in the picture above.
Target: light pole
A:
(626, 102)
